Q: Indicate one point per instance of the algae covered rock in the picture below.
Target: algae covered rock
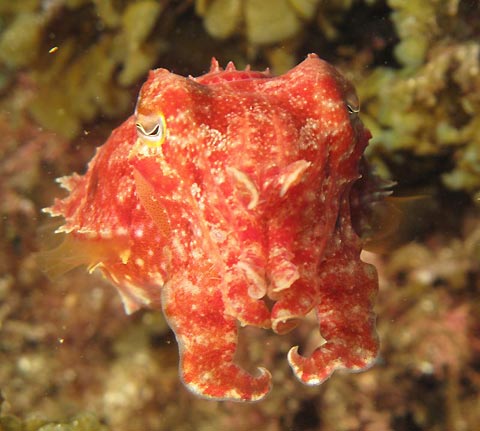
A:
(221, 17)
(262, 21)
(429, 107)
(19, 43)
(85, 422)
(84, 55)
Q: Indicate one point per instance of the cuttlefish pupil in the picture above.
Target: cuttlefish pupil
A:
(352, 102)
(151, 129)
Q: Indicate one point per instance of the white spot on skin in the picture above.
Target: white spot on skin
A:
(106, 233)
(247, 183)
(156, 278)
(218, 235)
(285, 274)
(258, 289)
(293, 175)
(121, 231)
(195, 190)
(125, 256)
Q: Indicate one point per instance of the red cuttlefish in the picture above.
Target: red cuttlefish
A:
(225, 200)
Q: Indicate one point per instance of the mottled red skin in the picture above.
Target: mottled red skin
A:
(245, 199)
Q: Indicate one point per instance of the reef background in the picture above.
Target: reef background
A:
(70, 71)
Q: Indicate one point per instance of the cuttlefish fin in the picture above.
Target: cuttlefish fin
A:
(391, 222)
(71, 253)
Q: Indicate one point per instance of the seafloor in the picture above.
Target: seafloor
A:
(70, 359)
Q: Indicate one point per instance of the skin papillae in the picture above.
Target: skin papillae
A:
(225, 193)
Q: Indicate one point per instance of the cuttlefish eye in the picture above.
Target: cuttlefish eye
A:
(352, 102)
(151, 128)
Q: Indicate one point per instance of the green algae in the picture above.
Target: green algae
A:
(20, 42)
(429, 106)
(85, 422)
(83, 56)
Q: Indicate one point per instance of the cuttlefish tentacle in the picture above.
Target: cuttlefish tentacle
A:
(207, 339)
(344, 310)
